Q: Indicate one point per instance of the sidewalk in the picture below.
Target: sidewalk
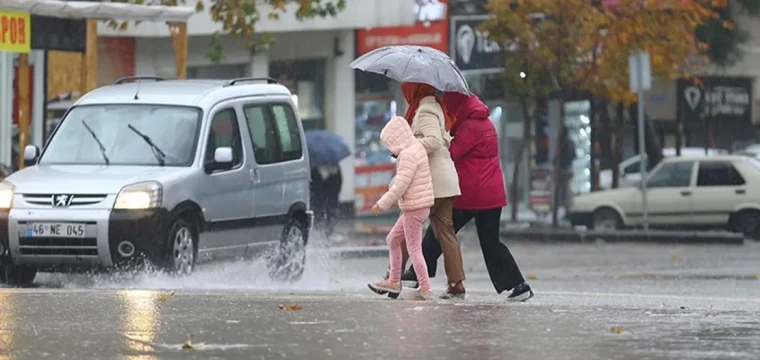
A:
(364, 236)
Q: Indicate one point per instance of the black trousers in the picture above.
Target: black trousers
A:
(501, 265)
(325, 202)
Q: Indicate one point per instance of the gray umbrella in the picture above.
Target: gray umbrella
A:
(421, 64)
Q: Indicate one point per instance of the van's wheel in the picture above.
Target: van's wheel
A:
(289, 259)
(17, 275)
(606, 219)
(181, 248)
(747, 222)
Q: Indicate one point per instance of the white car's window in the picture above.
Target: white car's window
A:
(718, 173)
(632, 168)
(173, 130)
(674, 174)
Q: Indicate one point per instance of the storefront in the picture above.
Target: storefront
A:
(377, 98)
(717, 114)
(306, 80)
(481, 61)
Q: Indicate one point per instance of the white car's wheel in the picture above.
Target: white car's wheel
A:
(747, 222)
(606, 219)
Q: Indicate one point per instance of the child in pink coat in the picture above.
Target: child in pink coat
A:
(412, 188)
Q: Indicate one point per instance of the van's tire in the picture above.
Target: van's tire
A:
(746, 222)
(181, 250)
(17, 275)
(288, 261)
(606, 219)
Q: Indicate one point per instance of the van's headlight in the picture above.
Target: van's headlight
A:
(6, 195)
(144, 195)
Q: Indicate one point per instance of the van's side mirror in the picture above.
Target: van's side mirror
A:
(31, 152)
(222, 160)
(223, 155)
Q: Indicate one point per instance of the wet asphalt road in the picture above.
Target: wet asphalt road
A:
(618, 301)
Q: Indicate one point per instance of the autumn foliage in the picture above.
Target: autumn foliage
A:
(239, 17)
(584, 45)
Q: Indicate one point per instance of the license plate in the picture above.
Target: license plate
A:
(70, 230)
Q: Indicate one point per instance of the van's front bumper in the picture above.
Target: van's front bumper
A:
(104, 230)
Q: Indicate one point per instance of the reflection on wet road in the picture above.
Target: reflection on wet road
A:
(137, 324)
(593, 302)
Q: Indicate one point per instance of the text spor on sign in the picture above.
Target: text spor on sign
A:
(14, 31)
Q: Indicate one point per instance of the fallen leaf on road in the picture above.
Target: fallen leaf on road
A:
(290, 307)
(532, 277)
(711, 314)
(618, 330)
(676, 257)
(165, 297)
(188, 345)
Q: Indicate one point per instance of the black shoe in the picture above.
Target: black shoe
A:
(521, 292)
(409, 279)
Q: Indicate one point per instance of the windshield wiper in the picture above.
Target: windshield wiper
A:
(156, 150)
(100, 144)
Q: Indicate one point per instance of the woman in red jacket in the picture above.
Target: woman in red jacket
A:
(475, 152)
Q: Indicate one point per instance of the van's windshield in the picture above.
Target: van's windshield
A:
(173, 130)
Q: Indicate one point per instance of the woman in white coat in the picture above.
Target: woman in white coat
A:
(430, 123)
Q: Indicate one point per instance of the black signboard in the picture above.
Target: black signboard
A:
(470, 48)
(51, 33)
(719, 98)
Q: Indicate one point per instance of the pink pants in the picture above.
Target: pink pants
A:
(409, 227)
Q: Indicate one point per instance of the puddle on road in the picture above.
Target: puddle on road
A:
(323, 273)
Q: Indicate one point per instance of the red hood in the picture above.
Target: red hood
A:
(465, 107)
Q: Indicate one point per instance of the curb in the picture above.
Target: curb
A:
(621, 236)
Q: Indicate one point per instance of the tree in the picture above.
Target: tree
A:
(584, 47)
(239, 18)
(725, 41)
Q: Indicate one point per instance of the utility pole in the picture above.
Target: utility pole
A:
(641, 80)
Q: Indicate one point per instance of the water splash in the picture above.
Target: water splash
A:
(324, 272)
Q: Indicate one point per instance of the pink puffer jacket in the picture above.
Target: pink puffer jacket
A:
(412, 186)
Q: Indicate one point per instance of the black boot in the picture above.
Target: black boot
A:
(521, 292)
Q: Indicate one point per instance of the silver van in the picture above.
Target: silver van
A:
(173, 172)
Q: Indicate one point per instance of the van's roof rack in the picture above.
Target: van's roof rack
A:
(129, 78)
(269, 80)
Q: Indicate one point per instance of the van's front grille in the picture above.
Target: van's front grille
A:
(58, 246)
(76, 200)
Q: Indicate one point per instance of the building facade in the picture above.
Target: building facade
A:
(310, 57)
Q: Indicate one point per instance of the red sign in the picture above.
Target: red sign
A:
(371, 183)
(434, 33)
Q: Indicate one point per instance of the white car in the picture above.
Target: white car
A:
(629, 168)
(688, 192)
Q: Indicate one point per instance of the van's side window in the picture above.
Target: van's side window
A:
(225, 132)
(263, 134)
(287, 131)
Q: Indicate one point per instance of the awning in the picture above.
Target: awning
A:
(99, 10)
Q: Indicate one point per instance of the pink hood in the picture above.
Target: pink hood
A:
(397, 135)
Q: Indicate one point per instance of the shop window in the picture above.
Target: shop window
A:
(221, 72)
(306, 79)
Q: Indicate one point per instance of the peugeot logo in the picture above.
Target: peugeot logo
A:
(61, 200)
